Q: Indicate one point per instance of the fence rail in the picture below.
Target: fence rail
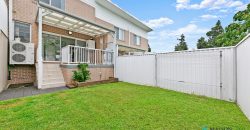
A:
(75, 55)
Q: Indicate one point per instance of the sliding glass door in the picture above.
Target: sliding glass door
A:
(52, 46)
(67, 41)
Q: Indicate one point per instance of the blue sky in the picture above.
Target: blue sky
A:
(170, 18)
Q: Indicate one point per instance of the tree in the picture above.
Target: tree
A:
(202, 43)
(149, 48)
(237, 30)
(182, 44)
(213, 34)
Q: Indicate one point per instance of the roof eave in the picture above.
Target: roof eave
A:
(117, 10)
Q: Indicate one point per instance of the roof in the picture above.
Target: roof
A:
(117, 10)
(58, 18)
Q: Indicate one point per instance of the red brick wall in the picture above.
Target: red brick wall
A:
(22, 74)
(64, 32)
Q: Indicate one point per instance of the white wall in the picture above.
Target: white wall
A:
(3, 61)
(4, 17)
(116, 20)
(195, 72)
(3, 45)
(243, 76)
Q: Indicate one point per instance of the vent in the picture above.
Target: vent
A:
(19, 47)
(18, 58)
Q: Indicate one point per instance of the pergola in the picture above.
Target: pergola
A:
(58, 18)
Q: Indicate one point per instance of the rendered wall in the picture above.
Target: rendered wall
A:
(3, 61)
(243, 76)
(4, 17)
(3, 45)
(108, 16)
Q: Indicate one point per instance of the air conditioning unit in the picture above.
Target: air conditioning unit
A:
(21, 53)
(91, 44)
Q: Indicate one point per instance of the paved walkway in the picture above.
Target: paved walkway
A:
(12, 93)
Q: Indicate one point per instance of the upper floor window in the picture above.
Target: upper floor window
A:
(22, 31)
(137, 40)
(119, 33)
(55, 3)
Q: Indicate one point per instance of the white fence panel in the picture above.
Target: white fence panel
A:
(243, 74)
(190, 72)
(136, 69)
(203, 72)
(209, 72)
(228, 74)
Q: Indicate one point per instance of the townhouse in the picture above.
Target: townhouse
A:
(48, 38)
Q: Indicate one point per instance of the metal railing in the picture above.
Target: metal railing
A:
(76, 55)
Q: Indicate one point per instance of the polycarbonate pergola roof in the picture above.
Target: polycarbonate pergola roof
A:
(64, 21)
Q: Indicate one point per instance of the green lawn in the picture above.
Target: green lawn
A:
(120, 106)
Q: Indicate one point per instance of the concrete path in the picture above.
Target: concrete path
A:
(12, 93)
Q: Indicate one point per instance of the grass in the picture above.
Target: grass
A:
(120, 106)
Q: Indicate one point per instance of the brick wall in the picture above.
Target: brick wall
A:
(64, 32)
(143, 45)
(97, 73)
(25, 11)
(22, 74)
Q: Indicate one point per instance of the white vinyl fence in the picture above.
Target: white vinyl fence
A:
(136, 69)
(209, 72)
(243, 76)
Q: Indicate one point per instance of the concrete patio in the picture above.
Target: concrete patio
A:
(13, 93)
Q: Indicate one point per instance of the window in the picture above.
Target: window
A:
(119, 33)
(22, 31)
(55, 3)
(137, 40)
(81, 43)
(51, 48)
(45, 1)
(67, 41)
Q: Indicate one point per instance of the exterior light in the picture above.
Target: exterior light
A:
(70, 33)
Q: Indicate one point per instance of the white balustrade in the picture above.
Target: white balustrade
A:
(76, 55)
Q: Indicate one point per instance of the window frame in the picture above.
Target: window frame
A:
(20, 22)
(50, 4)
(137, 40)
(120, 37)
(54, 34)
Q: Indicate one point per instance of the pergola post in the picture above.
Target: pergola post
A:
(115, 50)
(39, 51)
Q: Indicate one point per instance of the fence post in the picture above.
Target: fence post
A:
(156, 81)
(221, 85)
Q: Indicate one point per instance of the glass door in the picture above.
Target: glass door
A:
(51, 48)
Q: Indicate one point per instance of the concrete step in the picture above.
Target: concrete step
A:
(52, 76)
(53, 85)
(52, 80)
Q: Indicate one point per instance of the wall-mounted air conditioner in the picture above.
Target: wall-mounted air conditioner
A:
(21, 53)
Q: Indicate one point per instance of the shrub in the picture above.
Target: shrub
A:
(82, 74)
